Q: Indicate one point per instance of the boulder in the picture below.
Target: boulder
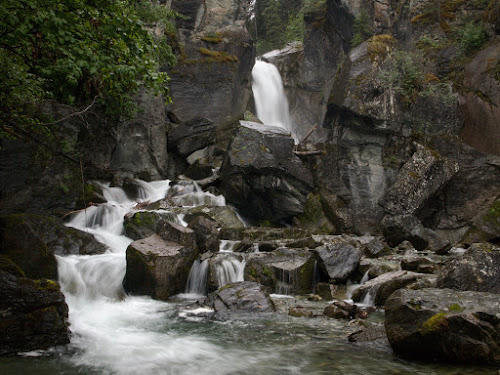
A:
(143, 224)
(377, 290)
(340, 310)
(338, 260)
(284, 271)
(177, 233)
(239, 298)
(376, 248)
(157, 268)
(300, 312)
(225, 216)
(192, 135)
(478, 269)
(379, 266)
(206, 234)
(261, 176)
(33, 314)
(444, 324)
(368, 334)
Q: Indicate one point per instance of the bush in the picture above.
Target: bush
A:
(362, 28)
(471, 37)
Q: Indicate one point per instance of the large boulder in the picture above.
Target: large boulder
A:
(477, 269)
(261, 175)
(443, 324)
(377, 290)
(157, 268)
(143, 224)
(206, 234)
(284, 271)
(338, 260)
(240, 298)
(33, 314)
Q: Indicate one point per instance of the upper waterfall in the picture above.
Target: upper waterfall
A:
(270, 99)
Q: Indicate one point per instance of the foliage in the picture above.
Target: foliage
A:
(362, 29)
(78, 52)
(380, 45)
(471, 37)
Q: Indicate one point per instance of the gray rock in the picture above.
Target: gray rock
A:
(192, 135)
(143, 224)
(261, 175)
(443, 324)
(206, 233)
(381, 287)
(177, 233)
(239, 298)
(157, 268)
(369, 334)
(338, 260)
(478, 270)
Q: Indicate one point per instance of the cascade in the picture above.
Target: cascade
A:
(230, 270)
(197, 279)
(270, 100)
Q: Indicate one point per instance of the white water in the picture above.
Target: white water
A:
(197, 279)
(118, 334)
(230, 270)
(189, 194)
(270, 99)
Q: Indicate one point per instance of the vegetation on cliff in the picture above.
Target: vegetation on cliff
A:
(78, 53)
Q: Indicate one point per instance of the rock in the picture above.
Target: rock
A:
(192, 135)
(239, 298)
(157, 268)
(376, 248)
(481, 111)
(478, 269)
(338, 260)
(486, 227)
(340, 310)
(324, 291)
(284, 271)
(408, 228)
(300, 312)
(33, 314)
(173, 232)
(225, 216)
(421, 264)
(206, 233)
(143, 224)
(368, 334)
(377, 267)
(381, 287)
(21, 243)
(261, 176)
(443, 324)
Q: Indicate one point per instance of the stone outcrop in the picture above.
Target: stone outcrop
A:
(238, 299)
(478, 270)
(157, 268)
(443, 324)
(261, 176)
(33, 314)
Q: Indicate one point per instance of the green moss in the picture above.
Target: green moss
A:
(217, 56)
(455, 307)
(253, 272)
(267, 272)
(494, 212)
(415, 305)
(433, 323)
(213, 38)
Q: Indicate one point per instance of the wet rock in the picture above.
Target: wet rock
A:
(338, 260)
(377, 267)
(478, 269)
(340, 310)
(143, 224)
(300, 312)
(368, 334)
(239, 298)
(486, 228)
(206, 233)
(173, 232)
(157, 268)
(422, 264)
(324, 291)
(259, 234)
(33, 314)
(444, 324)
(284, 271)
(381, 287)
(261, 175)
(225, 216)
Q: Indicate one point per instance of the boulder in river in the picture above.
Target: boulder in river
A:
(477, 269)
(157, 268)
(240, 298)
(444, 324)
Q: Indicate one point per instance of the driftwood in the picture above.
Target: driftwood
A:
(309, 134)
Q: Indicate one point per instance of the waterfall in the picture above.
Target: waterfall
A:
(230, 271)
(197, 279)
(270, 99)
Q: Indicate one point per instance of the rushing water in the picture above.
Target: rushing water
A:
(269, 96)
(113, 333)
